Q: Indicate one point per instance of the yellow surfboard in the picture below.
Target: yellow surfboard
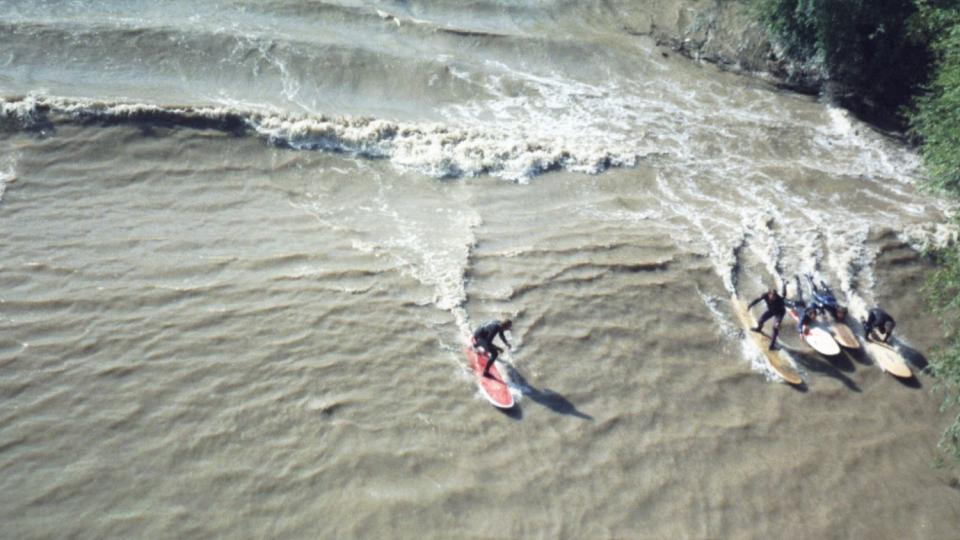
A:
(762, 341)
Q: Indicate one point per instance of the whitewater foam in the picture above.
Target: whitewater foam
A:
(432, 149)
(8, 173)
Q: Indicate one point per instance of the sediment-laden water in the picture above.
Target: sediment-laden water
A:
(244, 242)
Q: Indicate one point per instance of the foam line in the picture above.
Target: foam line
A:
(433, 149)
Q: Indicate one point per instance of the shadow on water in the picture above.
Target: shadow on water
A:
(802, 387)
(149, 120)
(546, 397)
(913, 356)
(912, 382)
(514, 413)
(816, 365)
(860, 355)
(842, 361)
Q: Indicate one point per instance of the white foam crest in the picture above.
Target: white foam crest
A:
(810, 240)
(8, 173)
(766, 246)
(585, 118)
(929, 236)
(852, 263)
(758, 363)
(722, 321)
(33, 107)
(657, 117)
(429, 244)
(723, 255)
(437, 150)
(440, 264)
(400, 21)
(433, 149)
(266, 48)
(22, 110)
(855, 148)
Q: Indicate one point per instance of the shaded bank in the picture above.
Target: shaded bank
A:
(894, 63)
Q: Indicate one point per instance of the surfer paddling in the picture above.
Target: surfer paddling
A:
(776, 309)
(881, 321)
(483, 340)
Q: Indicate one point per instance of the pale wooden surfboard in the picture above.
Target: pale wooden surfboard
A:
(888, 358)
(844, 335)
(762, 341)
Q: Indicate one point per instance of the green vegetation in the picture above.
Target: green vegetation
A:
(943, 290)
(935, 120)
(864, 47)
(896, 57)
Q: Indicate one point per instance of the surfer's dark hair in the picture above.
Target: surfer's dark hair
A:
(507, 323)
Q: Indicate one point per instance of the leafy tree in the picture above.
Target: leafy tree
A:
(898, 56)
(935, 120)
(862, 45)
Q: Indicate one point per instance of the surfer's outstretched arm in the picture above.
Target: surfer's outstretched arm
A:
(504, 338)
(799, 289)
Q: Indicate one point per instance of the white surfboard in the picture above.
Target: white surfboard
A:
(821, 341)
(818, 337)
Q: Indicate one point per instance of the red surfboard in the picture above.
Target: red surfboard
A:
(492, 386)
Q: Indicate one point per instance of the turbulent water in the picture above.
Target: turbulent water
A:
(244, 243)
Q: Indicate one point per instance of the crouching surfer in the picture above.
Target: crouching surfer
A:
(806, 314)
(825, 301)
(483, 340)
(776, 309)
(882, 321)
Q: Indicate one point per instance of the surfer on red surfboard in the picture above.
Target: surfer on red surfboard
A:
(483, 339)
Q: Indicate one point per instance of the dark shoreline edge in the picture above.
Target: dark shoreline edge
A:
(728, 36)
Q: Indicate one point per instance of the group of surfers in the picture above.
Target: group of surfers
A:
(824, 302)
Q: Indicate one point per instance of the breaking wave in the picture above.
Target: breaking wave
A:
(434, 149)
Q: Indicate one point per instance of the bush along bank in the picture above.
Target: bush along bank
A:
(895, 63)
(935, 122)
(871, 60)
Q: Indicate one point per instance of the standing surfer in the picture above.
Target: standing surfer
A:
(882, 321)
(775, 309)
(483, 339)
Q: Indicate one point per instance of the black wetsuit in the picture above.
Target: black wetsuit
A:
(879, 319)
(823, 298)
(775, 308)
(483, 337)
(807, 314)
